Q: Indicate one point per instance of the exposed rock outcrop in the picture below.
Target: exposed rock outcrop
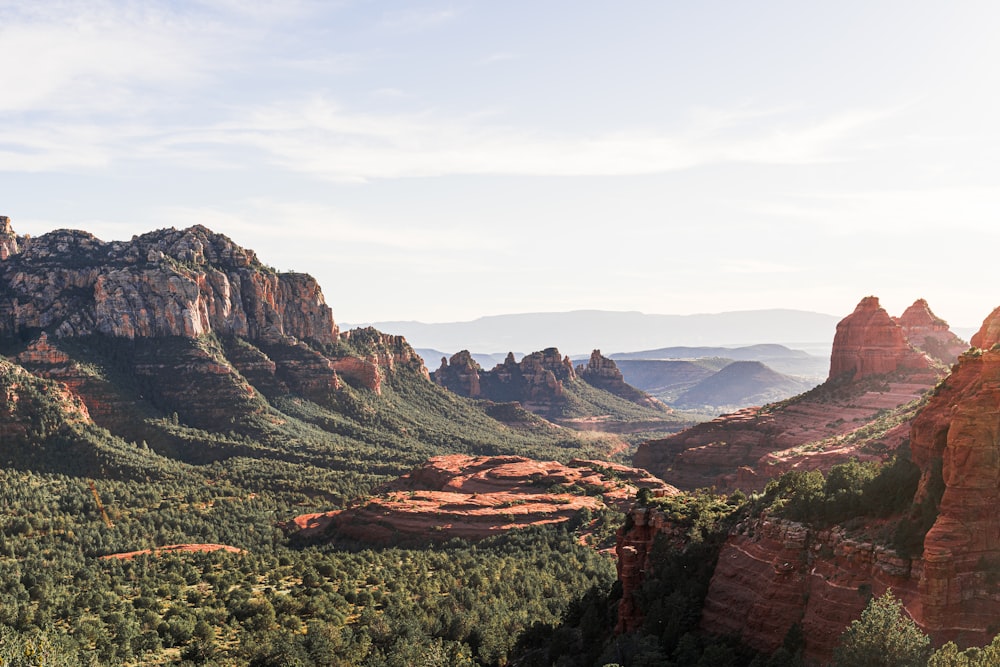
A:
(475, 497)
(8, 239)
(956, 443)
(930, 334)
(537, 381)
(461, 375)
(772, 574)
(603, 373)
(166, 283)
(876, 376)
(868, 342)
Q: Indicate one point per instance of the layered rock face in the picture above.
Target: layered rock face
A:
(166, 283)
(461, 375)
(475, 497)
(956, 441)
(930, 334)
(874, 371)
(772, 574)
(537, 381)
(546, 384)
(868, 342)
(144, 309)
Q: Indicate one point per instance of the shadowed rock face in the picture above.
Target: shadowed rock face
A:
(603, 373)
(166, 283)
(930, 334)
(957, 436)
(868, 342)
(770, 575)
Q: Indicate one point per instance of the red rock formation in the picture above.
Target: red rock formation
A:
(8, 239)
(873, 371)
(868, 342)
(603, 373)
(24, 397)
(474, 497)
(770, 575)
(958, 434)
(166, 283)
(461, 375)
(381, 354)
(930, 334)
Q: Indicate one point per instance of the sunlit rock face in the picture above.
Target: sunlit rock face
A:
(166, 283)
(868, 342)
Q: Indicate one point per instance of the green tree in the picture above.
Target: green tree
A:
(883, 637)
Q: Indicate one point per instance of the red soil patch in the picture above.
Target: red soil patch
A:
(172, 548)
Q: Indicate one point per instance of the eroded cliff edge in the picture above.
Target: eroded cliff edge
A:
(772, 573)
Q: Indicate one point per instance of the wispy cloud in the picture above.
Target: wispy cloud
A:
(319, 137)
(323, 224)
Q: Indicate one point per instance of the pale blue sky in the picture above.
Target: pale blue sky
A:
(440, 161)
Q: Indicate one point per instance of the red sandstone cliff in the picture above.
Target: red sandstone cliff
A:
(957, 436)
(930, 334)
(868, 342)
(875, 377)
(772, 574)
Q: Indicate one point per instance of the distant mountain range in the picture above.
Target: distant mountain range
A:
(720, 378)
(578, 332)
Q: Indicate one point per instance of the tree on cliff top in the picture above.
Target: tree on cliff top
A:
(883, 637)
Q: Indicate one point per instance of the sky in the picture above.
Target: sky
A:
(441, 161)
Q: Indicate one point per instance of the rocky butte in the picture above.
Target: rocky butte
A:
(773, 573)
(590, 397)
(876, 379)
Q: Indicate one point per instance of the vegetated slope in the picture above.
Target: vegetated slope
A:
(210, 399)
(876, 380)
(739, 384)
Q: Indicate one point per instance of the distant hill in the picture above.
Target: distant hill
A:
(579, 332)
(779, 357)
(742, 383)
(668, 378)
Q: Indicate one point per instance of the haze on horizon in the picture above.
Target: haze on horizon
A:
(444, 161)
